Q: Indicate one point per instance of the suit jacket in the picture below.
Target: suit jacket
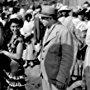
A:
(57, 53)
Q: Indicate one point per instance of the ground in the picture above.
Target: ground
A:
(33, 79)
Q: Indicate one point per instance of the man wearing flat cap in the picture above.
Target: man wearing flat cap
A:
(56, 55)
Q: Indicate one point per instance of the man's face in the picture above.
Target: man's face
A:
(45, 20)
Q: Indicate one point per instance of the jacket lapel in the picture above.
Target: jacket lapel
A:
(51, 35)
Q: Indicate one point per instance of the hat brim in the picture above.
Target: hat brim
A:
(64, 10)
(43, 15)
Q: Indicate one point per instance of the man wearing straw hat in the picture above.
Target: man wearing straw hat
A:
(56, 55)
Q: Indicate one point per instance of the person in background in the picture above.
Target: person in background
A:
(87, 55)
(28, 32)
(85, 5)
(80, 50)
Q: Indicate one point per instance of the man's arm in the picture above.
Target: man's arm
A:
(67, 56)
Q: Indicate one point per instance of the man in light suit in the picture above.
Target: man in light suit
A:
(56, 55)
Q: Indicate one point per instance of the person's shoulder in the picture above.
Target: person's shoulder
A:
(63, 30)
(60, 26)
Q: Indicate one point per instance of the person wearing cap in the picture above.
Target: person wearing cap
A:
(64, 10)
(67, 17)
(56, 55)
(87, 56)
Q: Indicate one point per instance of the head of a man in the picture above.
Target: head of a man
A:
(48, 15)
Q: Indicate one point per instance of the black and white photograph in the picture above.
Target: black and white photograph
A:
(44, 44)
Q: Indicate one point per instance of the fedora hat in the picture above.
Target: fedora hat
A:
(47, 11)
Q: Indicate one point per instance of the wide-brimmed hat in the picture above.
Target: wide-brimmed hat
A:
(47, 11)
(64, 9)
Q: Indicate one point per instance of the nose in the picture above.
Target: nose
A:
(14, 28)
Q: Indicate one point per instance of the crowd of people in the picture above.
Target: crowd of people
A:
(51, 35)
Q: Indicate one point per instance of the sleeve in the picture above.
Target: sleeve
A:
(67, 56)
